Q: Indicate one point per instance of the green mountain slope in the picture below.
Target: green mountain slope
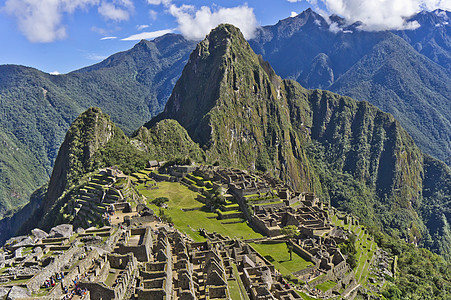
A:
(355, 155)
(393, 77)
(93, 141)
(37, 108)
(232, 103)
(408, 77)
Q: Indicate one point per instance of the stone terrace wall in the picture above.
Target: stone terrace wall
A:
(81, 267)
(56, 266)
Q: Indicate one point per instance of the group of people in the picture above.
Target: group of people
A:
(76, 291)
(51, 282)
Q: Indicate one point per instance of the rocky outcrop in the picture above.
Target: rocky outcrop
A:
(63, 230)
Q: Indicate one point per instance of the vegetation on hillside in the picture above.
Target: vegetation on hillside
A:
(38, 108)
(408, 76)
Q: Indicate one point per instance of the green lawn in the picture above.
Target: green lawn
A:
(278, 255)
(236, 287)
(179, 195)
(110, 279)
(305, 296)
(325, 286)
(189, 222)
(268, 203)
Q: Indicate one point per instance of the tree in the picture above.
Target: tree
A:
(160, 200)
(289, 232)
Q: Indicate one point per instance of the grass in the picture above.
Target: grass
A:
(278, 255)
(191, 221)
(110, 279)
(305, 296)
(268, 203)
(236, 287)
(325, 286)
(230, 212)
(42, 292)
(234, 205)
(16, 282)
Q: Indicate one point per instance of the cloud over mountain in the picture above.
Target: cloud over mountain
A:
(195, 24)
(379, 15)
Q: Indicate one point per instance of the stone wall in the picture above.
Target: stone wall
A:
(56, 266)
(260, 226)
(98, 290)
(81, 267)
(143, 251)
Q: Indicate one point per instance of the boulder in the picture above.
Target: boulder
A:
(25, 242)
(63, 230)
(3, 292)
(39, 234)
(80, 230)
(17, 292)
(37, 250)
(14, 240)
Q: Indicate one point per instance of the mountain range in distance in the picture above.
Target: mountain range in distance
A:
(405, 73)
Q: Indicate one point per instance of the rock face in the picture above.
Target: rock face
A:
(25, 242)
(3, 292)
(63, 230)
(17, 292)
(39, 234)
(408, 77)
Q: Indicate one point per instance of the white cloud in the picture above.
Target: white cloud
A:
(95, 57)
(158, 2)
(195, 24)
(40, 20)
(383, 14)
(153, 14)
(114, 12)
(147, 35)
(377, 15)
(334, 27)
(55, 73)
(293, 14)
(141, 27)
(108, 38)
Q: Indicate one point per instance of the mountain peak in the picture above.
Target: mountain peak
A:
(90, 131)
(212, 67)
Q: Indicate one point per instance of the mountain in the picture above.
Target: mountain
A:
(351, 153)
(93, 141)
(242, 114)
(38, 108)
(393, 70)
(381, 67)
(433, 37)
(233, 104)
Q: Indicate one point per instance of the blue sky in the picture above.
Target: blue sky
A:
(64, 35)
